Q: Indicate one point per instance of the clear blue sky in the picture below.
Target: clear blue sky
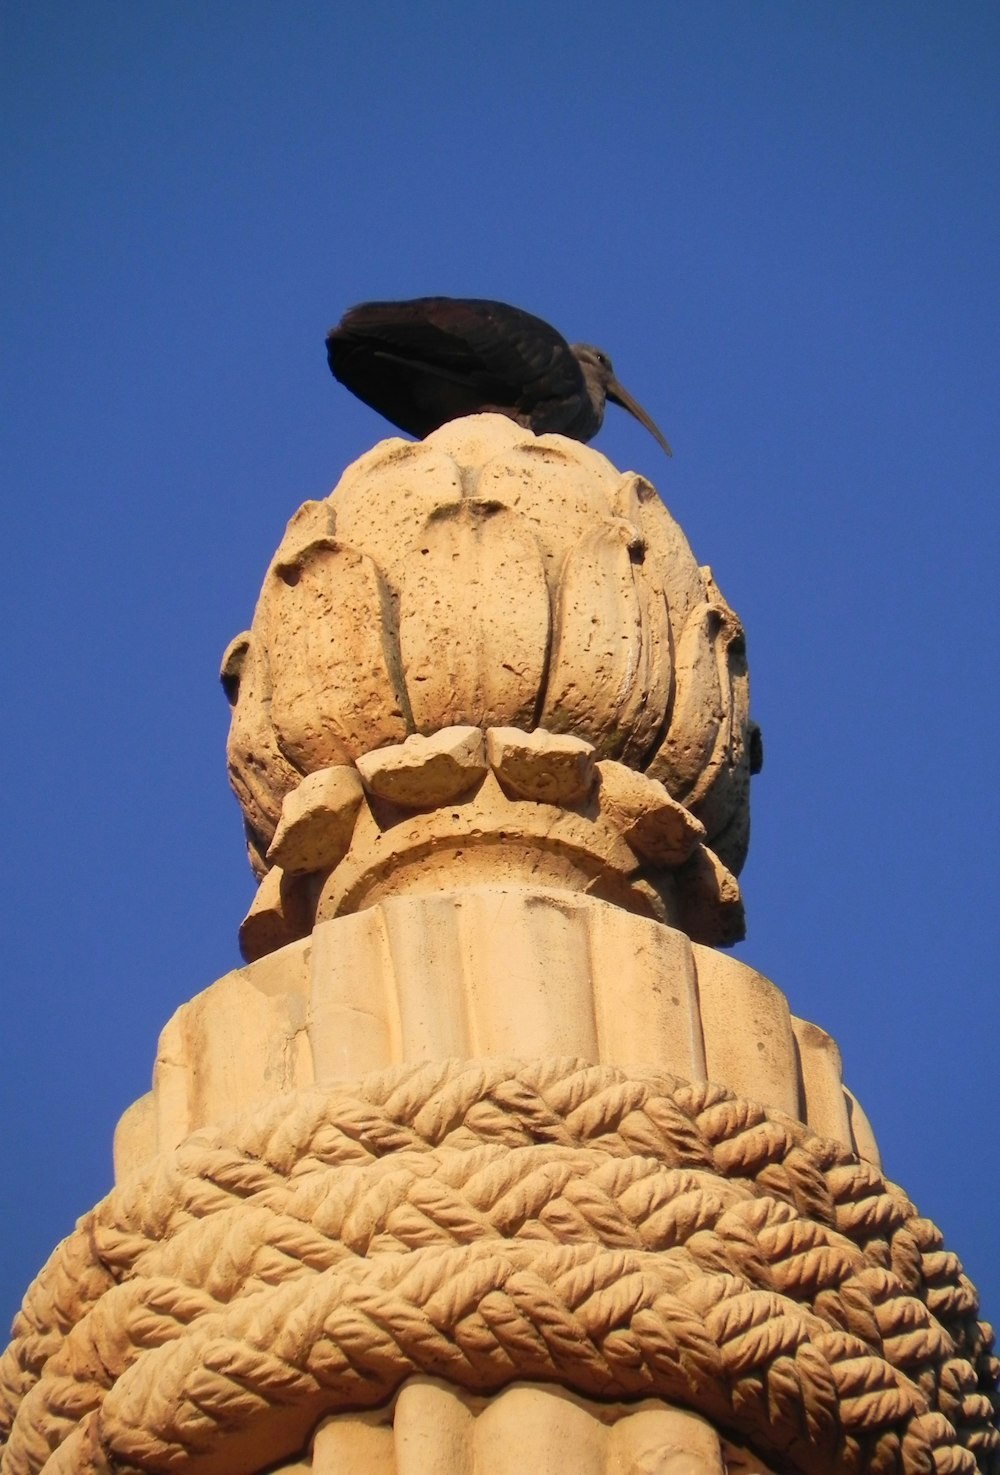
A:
(782, 221)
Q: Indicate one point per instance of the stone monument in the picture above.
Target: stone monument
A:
(488, 1158)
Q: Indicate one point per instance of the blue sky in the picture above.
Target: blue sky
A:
(782, 221)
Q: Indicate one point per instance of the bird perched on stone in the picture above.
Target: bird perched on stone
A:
(433, 359)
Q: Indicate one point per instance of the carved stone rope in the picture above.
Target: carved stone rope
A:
(625, 1235)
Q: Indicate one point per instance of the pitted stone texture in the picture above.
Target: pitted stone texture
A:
(425, 772)
(496, 970)
(280, 913)
(317, 821)
(432, 1428)
(548, 767)
(486, 577)
(654, 824)
(433, 816)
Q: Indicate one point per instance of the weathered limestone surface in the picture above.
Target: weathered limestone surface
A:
(489, 578)
(317, 822)
(487, 1159)
(427, 1430)
(487, 971)
(523, 809)
(621, 1233)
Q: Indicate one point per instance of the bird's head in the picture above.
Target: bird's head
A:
(599, 377)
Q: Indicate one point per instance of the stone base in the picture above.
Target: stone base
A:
(487, 971)
(431, 1428)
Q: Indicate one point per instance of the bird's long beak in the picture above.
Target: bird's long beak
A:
(620, 396)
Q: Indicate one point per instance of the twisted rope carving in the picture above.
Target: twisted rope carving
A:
(624, 1235)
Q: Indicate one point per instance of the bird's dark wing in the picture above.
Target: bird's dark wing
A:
(432, 359)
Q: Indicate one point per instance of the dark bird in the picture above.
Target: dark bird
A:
(434, 359)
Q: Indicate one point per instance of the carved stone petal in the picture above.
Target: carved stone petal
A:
(655, 826)
(475, 439)
(602, 683)
(425, 772)
(547, 767)
(259, 772)
(697, 712)
(474, 620)
(335, 689)
(704, 759)
(317, 821)
(655, 675)
(708, 896)
(280, 913)
(561, 492)
(312, 522)
(667, 547)
(382, 502)
(720, 797)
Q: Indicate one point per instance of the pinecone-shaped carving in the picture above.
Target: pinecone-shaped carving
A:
(489, 578)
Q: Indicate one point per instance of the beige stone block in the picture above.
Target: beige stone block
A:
(537, 985)
(353, 1021)
(229, 1048)
(135, 1136)
(708, 900)
(749, 1042)
(283, 972)
(425, 772)
(645, 994)
(651, 1440)
(655, 825)
(438, 1430)
(824, 1104)
(355, 1444)
(548, 767)
(422, 978)
(862, 1134)
(435, 1430)
(280, 913)
(557, 1428)
(317, 821)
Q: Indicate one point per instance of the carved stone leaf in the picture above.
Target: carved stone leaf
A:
(703, 761)
(539, 476)
(720, 798)
(608, 679)
(469, 653)
(335, 688)
(698, 713)
(384, 499)
(666, 546)
(259, 772)
(656, 670)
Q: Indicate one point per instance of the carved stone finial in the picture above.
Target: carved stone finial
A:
(489, 579)
(492, 1164)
